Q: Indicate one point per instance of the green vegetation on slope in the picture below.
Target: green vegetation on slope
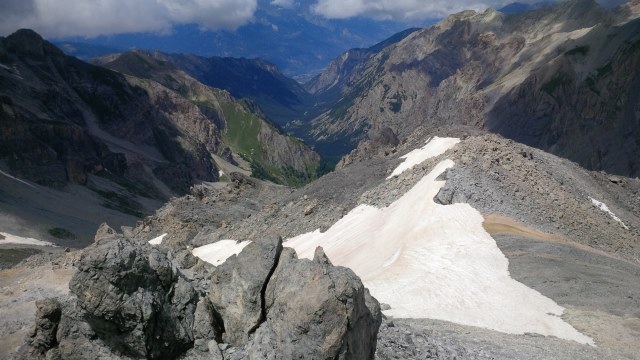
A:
(241, 133)
(61, 233)
(120, 203)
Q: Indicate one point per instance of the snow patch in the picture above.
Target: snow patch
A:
(433, 261)
(433, 147)
(16, 179)
(158, 240)
(602, 206)
(218, 252)
(14, 239)
(220, 173)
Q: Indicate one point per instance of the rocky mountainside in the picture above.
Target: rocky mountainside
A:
(92, 138)
(561, 78)
(79, 142)
(281, 98)
(536, 208)
(243, 127)
(64, 120)
(340, 71)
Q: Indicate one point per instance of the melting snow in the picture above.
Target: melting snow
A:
(218, 252)
(14, 239)
(158, 240)
(432, 261)
(602, 206)
(434, 147)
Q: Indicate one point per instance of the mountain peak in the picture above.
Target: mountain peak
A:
(29, 42)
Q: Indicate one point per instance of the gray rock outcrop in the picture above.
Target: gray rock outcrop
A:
(324, 312)
(237, 288)
(133, 297)
(132, 300)
(43, 336)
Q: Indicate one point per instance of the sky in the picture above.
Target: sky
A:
(90, 18)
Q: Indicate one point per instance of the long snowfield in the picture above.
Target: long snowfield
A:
(602, 206)
(428, 260)
(433, 261)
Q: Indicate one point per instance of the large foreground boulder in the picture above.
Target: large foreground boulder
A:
(237, 288)
(316, 311)
(132, 296)
(130, 300)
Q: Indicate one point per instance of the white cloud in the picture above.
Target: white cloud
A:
(58, 18)
(400, 9)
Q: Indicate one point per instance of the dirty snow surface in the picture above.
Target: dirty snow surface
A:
(434, 147)
(158, 240)
(14, 239)
(433, 261)
(218, 252)
(602, 206)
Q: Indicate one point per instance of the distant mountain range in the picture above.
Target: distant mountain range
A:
(298, 41)
(295, 39)
(126, 139)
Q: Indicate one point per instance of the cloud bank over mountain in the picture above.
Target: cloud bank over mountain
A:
(59, 18)
(398, 9)
(67, 18)
(408, 10)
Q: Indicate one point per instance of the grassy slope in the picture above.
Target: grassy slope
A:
(241, 134)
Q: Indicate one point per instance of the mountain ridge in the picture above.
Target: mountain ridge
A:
(473, 62)
(128, 142)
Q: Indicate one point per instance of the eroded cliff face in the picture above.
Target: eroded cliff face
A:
(64, 120)
(295, 163)
(543, 77)
(339, 71)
